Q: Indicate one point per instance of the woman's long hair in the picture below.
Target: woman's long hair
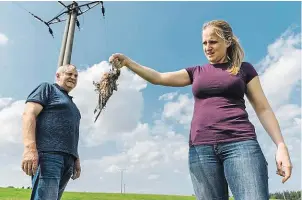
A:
(235, 53)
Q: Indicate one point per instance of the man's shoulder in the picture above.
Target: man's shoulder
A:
(40, 94)
(45, 86)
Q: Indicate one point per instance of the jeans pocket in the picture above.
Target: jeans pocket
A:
(259, 147)
(193, 156)
(51, 165)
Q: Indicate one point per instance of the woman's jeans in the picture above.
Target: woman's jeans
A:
(239, 165)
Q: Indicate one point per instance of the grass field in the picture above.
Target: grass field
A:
(23, 194)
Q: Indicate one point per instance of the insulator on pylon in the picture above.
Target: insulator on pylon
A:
(78, 24)
(50, 31)
(103, 8)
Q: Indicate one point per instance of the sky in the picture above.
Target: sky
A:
(144, 129)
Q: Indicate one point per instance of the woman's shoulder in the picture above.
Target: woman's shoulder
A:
(248, 70)
(196, 67)
(247, 65)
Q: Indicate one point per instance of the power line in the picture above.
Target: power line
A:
(71, 13)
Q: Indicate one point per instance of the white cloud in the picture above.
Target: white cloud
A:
(153, 176)
(113, 169)
(157, 151)
(280, 75)
(180, 110)
(123, 110)
(10, 120)
(5, 102)
(147, 152)
(281, 68)
(168, 96)
(3, 39)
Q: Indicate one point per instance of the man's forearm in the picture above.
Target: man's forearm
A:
(29, 130)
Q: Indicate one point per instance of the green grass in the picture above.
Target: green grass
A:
(24, 194)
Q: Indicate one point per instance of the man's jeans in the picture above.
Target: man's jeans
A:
(52, 176)
(241, 165)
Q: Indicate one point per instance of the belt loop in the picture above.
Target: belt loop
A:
(215, 147)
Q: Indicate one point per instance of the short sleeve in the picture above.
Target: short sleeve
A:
(40, 94)
(250, 72)
(191, 71)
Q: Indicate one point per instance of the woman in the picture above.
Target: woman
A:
(223, 146)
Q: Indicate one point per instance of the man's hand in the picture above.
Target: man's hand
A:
(30, 160)
(76, 169)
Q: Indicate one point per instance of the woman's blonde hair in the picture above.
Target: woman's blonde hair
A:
(235, 53)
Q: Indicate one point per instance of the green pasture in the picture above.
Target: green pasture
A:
(24, 194)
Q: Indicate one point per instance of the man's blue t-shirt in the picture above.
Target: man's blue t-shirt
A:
(57, 125)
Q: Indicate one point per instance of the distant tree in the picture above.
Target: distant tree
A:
(28, 188)
(22, 187)
(10, 187)
(273, 196)
(289, 195)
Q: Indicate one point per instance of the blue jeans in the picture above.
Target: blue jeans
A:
(239, 165)
(52, 176)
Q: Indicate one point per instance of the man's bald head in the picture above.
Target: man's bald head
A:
(64, 68)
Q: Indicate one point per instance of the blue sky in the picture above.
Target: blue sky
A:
(163, 35)
(154, 33)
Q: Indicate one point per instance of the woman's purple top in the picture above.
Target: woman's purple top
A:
(219, 109)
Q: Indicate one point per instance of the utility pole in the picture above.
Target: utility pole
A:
(68, 41)
(283, 195)
(121, 181)
(72, 11)
(122, 170)
(62, 51)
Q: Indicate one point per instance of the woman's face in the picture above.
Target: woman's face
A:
(215, 48)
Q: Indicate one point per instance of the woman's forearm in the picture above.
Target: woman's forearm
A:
(271, 125)
(144, 72)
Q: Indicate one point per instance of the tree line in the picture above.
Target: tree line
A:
(288, 195)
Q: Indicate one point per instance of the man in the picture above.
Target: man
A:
(50, 136)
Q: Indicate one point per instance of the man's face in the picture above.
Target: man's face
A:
(68, 79)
